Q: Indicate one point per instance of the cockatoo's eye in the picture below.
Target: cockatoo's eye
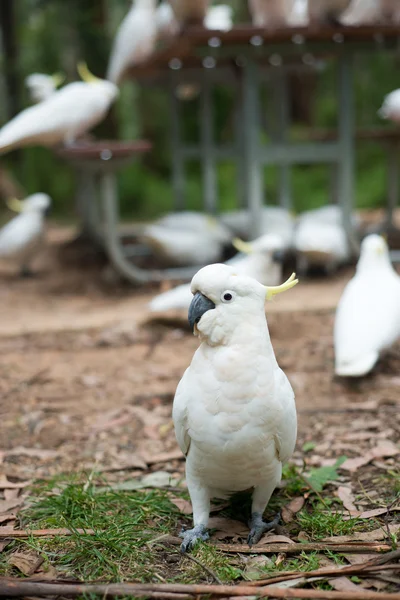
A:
(228, 296)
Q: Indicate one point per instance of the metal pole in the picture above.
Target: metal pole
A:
(251, 147)
(280, 82)
(346, 162)
(177, 159)
(207, 146)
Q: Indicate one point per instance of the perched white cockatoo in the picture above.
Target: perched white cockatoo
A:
(219, 17)
(41, 86)
(189, 12)
(390, 108)
(22, 237)
(135, 39)
(362, 12)
(390, 11)
(260, 259)
(167, 25)
(64, 116)
(320, 239)
(274, 219)
(270, 13)
(298, 16)
(197, 240)
(326, 12)
(368, 314)
(234, 410)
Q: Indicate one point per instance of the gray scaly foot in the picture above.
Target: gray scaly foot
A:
(192, 536)
(258, 527)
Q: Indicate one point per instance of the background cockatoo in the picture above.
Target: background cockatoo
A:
(326, 12)
(368, 314)
(298, 16)
(167, 25)
(41, 86)
(390, 11)
(219, 17)
(260, 259)
(390, 108)
(274, 219)
(63, 117)
(270, 13)
(135, 39)
(362, 12)
(22, 237)
(320, 239)
(234, 410)
(189, 12)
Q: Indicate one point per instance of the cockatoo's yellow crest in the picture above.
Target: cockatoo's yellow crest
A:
(15, 205)
(85, 74)
(242, 246)
(58, 79)
(272, 291)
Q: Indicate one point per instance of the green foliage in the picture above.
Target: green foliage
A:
(318, 478)
(318, 522)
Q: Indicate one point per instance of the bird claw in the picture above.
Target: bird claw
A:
(258, 527)
(192, 536)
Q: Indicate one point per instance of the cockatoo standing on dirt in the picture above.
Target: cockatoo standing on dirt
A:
(270, 13)
(326, 12)
(41, 86)
(63, 117)
(368, 314)
(390, 108)
(135, 39)
(234, 410)
(22, 237)
(260, 259)
(190, 12)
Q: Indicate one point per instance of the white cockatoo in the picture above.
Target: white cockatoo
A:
(167, 25)
(274, 219)
(260, 259)
(298, 16)
(234, 410)
(135, 39)
(64, 116)
(326, 12)
(270, 13)
(390, 108)
(22, 237)
(219, 17)
(41, 86)
(390, 11)
(188, 12)
(368, 314)
(196, 245)
(362, 12)
(320, 239)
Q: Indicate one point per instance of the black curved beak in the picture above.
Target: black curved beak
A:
(278, 256)
(198, 306)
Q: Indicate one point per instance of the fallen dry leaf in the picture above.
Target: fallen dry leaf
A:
(32, 452)
(4, 544)
(7, 517)
(383, 449)
(346, 496)
(292, 508)
(375, 512)
(343, 584)
(151, 459)
(27, 563)
(229, 527)
(7, 505)
(365, 536)
(255, 567)
(184, 506)
(11, 494)
(269, 538)
(47, 573)
(9, 485)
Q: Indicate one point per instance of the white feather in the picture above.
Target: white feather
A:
(274, 219)
(40, 86)
(64, 116)
(298, 16)
(21, 238)
(270, 13)
(390, 108)
(135, 39)
(361, 12)
(219, 17)
(368, 314)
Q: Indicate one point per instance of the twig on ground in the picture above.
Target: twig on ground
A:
(205, 567)
(297, 548)
(8, 533)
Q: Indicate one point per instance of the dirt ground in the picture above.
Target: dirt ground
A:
(87, 382)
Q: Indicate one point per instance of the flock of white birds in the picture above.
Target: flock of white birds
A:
(61, 116)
